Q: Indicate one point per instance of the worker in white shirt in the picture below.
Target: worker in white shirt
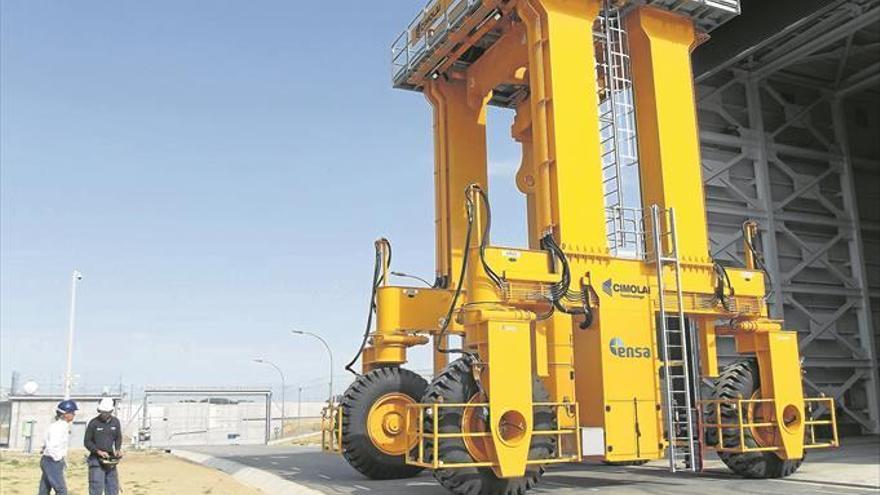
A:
(55, 445)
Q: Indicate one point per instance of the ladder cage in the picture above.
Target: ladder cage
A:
(617, 133)
(626, 232)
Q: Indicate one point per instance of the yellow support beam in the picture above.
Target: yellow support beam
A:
(565, 122)
(459, 160)
(780, 372)
(666, 121)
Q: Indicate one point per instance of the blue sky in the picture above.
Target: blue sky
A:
(218, 171)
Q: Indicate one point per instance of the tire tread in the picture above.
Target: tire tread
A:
(739, 380)
(456, 384)
(357, 448)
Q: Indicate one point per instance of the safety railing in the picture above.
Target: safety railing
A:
(761, 428)
(426, 450)
(694, 302)
(707, 14)
(331, 428)
(429, 30)
(690, 6)
(625, 228)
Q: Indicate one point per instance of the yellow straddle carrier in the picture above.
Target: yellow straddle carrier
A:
(593, 341)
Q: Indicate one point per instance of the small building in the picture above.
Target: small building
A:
(29, 415)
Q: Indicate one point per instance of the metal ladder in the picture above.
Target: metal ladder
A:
(680, 392)
(617, 127)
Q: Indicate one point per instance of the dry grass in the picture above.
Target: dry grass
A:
(306, 431)
(296, 427)
(141, 473)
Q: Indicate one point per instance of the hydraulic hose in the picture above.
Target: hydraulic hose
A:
(378, 278)
(561, 292)
(444, 329)
(758, 256)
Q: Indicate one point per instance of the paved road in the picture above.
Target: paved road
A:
(851, 470)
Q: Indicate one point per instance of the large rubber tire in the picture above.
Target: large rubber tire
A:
(456, 384)
(357, 448)
(741, 380)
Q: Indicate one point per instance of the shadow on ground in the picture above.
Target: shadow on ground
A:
(851, 470)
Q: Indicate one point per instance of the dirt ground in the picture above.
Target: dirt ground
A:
(141, 473)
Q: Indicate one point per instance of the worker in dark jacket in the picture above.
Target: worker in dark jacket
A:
(104, 442)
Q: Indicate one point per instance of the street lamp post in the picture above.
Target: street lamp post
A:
(299, 412)
(75, 277)
(270, 363)
(329, 353)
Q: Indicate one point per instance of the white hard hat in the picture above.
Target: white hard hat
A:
(106, 405)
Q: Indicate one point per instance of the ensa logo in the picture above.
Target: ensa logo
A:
(611, 287)
(619, 349)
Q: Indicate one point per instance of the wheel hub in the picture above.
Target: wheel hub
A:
(386, 424)
(765, 413)
(391, 423)
(475, 420)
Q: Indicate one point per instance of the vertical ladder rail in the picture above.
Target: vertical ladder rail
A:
(679, 385)
(685, 353)
(658, 259)
(694, 366)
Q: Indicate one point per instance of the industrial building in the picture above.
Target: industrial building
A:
(789, 113)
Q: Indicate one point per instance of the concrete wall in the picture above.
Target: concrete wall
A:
(182, 423)
(179, 424)
(30, 418)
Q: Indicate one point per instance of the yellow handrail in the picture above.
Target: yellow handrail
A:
(331, 428)
(416, 434)
(743, 423)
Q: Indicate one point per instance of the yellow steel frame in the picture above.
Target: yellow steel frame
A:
(743, 424)
(548, 47)
(416, 435)
(331, 428)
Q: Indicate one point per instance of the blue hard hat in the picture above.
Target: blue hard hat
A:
(67, 406)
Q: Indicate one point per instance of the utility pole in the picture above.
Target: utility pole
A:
(299, 411)
(68, 377)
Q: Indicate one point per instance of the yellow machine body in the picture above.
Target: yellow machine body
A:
(607, 376)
